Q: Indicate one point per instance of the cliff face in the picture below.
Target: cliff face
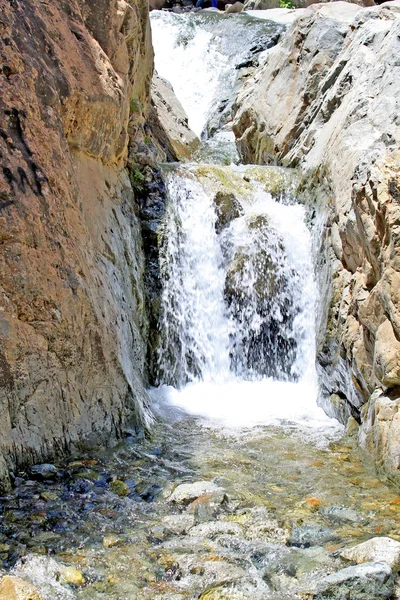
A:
(74, 80)
(328, 99)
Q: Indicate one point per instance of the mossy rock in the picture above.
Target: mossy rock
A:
(119, 488)
(227, 208)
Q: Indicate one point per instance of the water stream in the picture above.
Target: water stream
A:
(278, 489)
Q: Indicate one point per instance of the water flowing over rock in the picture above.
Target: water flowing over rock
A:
(327, 99)
(75, 90)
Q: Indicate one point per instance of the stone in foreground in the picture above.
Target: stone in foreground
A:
(369, 581)
(187, 492)
(14, 588)
(378, 549)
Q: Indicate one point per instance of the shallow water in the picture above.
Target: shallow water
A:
(285, 470)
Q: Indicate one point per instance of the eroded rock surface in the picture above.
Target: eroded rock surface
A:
(75, 83)
(327, 99)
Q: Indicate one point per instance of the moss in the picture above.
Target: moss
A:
(119, 488)
(135, 105)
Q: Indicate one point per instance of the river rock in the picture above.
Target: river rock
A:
(379, 549)
(237, 7)
(261, 4)
(311, 535)
(15, 588)
(178, 524)
(342, 514)
(227, 208)
(72, 577)
(188, 492)
(215, 528)
(43, 472)
(363, 582)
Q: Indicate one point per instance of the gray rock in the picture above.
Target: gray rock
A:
(43, 472)
(370, 581)
(227, 208)
(188, 492)
(309, 535)
(234, 8)
(214, 528)
(178, 524)
(341, 514)
(379, 549)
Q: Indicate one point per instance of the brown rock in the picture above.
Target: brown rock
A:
(70, 253)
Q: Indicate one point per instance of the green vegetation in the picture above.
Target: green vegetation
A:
(286, 4)
(137, 178)
(135, 105)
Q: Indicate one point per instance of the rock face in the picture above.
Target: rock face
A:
(75, 83)
(327, 99)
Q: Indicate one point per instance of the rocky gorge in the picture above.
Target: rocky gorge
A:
(119, 273)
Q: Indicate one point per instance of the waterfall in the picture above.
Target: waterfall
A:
(237, 318)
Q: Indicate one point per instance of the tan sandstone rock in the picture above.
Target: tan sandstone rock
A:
(15, 588)
(71, 262)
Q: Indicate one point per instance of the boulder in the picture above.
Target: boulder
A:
(378, 549)
(227, 208)
(168, 123)
(261, 4)
(373, 580)
(234, 8)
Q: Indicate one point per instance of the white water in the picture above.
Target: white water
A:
(215, 357)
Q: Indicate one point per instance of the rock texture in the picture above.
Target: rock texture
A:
(75, 80)
(14, 588)
(327, 99)
(379, 549)
(169, 123)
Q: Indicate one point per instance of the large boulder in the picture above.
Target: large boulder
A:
(363, 582)
(168, 123)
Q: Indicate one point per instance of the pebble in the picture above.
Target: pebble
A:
(72, 577)
(110, 541)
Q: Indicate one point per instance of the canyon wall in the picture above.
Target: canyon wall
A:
(74, 92)
(327, 100)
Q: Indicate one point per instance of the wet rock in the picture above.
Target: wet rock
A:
(220, 571)
(110, 541)
(310, 535)
(15, 588)
(207, 506)
(178, 524)
(43, 472)
(227, 208)
(341, 514)
(234, 8)
(119, 488)
(215, 528)
(72, 577)
(363, 582)
(378, 549)
(260, 525)
(188, 492)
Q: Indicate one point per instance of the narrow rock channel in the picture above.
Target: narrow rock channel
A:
(243, 488)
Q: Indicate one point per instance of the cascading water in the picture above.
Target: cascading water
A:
(237, 327)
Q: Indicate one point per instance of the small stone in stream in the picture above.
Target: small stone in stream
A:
(178, 524)
(342, 514)
(110, 541)
(214, 528)
(220, 571)
(207, 506)
(80, 486)
(15, 588)
(43, 472)
(188, 492)
(72, 577)
(369, 581)
(49, 496)
(309, 535)
(378, 549)
(119, 488)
